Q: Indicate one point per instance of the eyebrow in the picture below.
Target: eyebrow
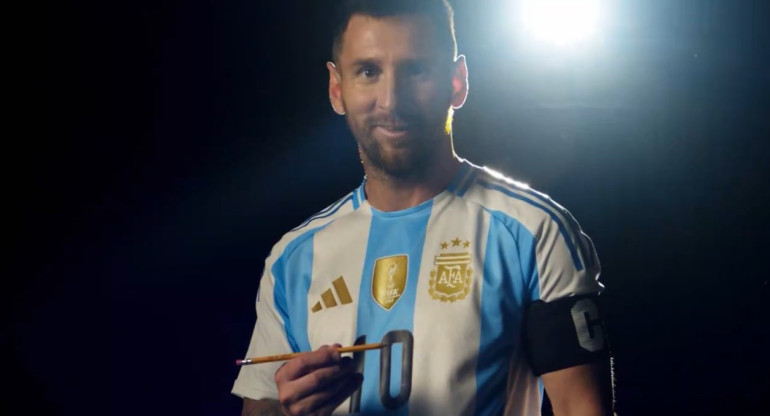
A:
(366, 61)
(377, 62)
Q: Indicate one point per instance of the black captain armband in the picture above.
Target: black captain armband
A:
(564, 333)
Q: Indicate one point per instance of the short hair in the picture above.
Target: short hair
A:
(438, 11)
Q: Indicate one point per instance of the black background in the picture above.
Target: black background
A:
(172, 143)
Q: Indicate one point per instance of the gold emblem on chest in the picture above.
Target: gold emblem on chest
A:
(451, 280)
(389, 280)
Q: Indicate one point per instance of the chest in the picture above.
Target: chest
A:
(427, 274)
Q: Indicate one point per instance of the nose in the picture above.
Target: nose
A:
(390, 92)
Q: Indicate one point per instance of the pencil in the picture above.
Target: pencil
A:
(284, 357)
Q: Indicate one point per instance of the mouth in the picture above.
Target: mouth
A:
(393, 130)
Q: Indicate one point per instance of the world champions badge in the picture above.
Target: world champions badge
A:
(389, 280)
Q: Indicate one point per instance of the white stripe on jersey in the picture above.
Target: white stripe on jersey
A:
(446, 389)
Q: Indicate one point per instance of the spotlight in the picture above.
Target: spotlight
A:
(562, 22)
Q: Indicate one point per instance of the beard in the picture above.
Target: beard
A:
(406, 158)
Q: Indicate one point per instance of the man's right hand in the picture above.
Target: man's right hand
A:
(317, 382)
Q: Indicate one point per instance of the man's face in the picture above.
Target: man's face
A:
(395, 87)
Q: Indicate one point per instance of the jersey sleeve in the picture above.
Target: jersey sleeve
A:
(563, 325)
(567, 264)
(269, 338)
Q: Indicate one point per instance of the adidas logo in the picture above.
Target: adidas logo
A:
(327, 298)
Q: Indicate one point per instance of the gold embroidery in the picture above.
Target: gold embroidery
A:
(389, 280)
(327, 297)
(342, 290)
(451, 280)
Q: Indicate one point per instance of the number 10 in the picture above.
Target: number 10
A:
(406, 340)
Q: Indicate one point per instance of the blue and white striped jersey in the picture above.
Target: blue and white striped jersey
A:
(457, 272)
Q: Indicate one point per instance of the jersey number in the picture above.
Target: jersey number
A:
(389, 402)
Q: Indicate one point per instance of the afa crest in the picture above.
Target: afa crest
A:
(451, 280)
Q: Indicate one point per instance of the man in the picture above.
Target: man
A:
(476, 284)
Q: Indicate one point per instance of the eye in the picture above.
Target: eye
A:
(368, 71)
(415, 68)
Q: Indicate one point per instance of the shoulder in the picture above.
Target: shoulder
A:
(303, 232)
(517, 206)
(504, 197)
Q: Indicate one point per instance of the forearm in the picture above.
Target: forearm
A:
(579, 408)
(584, 390)
(264, 407)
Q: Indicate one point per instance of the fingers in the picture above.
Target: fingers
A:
(306, 363)
(316, 381)
(324, 401)
(352, 384)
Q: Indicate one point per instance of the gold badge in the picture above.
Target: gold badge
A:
(451, 279)
(389, 280)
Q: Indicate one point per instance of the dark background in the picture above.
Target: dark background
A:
(172, 143)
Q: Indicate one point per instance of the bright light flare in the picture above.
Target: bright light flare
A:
(562, 22)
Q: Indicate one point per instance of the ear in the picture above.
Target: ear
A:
(335, 92)
(459, 82)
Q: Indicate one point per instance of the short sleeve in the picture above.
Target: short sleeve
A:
(567, 264)
(564, 328)
(268, 338)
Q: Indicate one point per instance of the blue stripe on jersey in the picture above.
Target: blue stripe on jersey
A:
(562, 228)
(540, 390)
(359, 196)
(323, 214)
(510, 280)
(390, 234)
(292, 272)
(574, 226)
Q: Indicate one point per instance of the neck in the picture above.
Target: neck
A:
(387, 193)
